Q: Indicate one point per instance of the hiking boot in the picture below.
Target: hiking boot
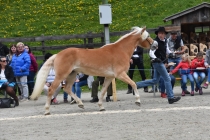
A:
(186, 92)
(172, 100)
(65, 100)
(205, 86)
(95, 99)
(146, 89)
(183, 93)
(129, 91)
(200, 91)
(163, 95)
(54, 101)
(108, 99)
(192, 93)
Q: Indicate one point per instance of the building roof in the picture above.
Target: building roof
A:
(182, 13)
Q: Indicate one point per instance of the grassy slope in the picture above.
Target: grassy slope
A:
(23, 18)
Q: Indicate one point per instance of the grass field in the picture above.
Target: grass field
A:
(26, 18)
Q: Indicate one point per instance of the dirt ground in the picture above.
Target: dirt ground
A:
(155, 119)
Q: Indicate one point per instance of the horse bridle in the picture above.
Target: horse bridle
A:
(149, 40)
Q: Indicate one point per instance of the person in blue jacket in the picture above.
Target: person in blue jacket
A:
(20, 64)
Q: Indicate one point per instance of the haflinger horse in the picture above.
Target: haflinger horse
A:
(110, 61)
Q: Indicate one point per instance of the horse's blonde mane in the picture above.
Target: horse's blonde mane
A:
(135, 30)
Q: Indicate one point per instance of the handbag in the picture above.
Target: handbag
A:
(7, 103)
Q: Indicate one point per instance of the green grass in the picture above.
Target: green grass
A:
(27, 18)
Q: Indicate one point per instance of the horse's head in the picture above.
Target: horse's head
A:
(145, 41)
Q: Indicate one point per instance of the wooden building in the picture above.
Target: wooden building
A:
(194, 26)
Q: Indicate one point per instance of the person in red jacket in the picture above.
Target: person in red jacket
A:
(186, 73)
(198, 68)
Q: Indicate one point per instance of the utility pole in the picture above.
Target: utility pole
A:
(105, 9)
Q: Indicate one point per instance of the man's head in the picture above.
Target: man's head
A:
(3, 60)
(173, 35)
(161, 33)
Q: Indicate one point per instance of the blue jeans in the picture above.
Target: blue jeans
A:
(208, 73)
(76, 89)
(30, 79)
(199, 81)
(159, 70)
(184, 81)
(162, 85)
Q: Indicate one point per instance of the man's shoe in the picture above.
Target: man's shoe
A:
(65, 100)
(16, 103)
(172, 100)
(200, 91)
(54, 101)
(186, 92)
(146, 89)
(163, 95)
(108, 99)
(129, 91)
(192, 93)
(95, 99)
(183, 93)
(196, 89)
(205, 86)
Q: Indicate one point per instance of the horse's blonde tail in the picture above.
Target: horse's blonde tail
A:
(41, 77)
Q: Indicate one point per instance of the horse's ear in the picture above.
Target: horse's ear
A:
(144, 28)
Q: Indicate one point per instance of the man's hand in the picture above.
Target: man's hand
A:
(131, 61)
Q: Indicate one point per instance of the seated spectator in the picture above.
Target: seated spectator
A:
(49, 80)
(207, 65)
(94, 91)
(32, 70)
(4, 51)
(198, 74)
(81, 80)
(186, 72)
(20, 64)
(7, 79)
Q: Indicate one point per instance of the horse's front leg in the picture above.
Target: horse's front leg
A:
(125, 78)
(107, 82)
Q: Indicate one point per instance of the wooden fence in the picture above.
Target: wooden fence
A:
(87, 41)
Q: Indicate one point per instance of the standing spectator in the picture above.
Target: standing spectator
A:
(158, 55)
(186, 73)
(32, 71)
(177, 48)
(197, 63)
(20, 64)
(94, 91)
(137, 60)
(12, 51)
(4, 51)
(207, 65)
(7, 79)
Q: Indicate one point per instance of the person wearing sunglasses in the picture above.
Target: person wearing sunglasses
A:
(7, 79)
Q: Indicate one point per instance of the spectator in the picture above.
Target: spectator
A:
(32, 70)
(81, 80)
(197, 63)
(49, 80)
(186, 73)
(207, 65)
(7, 79)
(94, 92)
(177, 48)
(137, 60)
(4, 51)
(20, 64)
(158, 55)
(12, 51)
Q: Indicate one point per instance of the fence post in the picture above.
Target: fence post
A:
(90, 41)
(43, 48)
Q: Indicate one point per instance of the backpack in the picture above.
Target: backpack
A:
(7, 103)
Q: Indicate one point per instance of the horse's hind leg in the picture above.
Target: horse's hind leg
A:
(51, 90)
(67, 88)
(125, 78)
(107, 82)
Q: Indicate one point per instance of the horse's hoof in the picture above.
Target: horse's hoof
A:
(47, 113)
(81, 106)
(138, 103)
(103, 109)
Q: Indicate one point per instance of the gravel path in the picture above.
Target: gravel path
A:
(187, 119)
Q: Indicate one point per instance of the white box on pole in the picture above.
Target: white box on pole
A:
(105, 14)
